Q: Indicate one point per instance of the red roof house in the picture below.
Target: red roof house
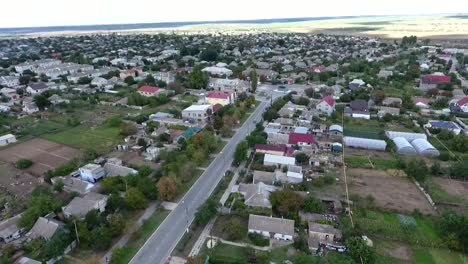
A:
(281, 149)
(299, 138)
(463, 101)
(329, 100)
(317, 69)
(435, 79)
(149, 90)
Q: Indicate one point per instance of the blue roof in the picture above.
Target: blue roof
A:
(189, 132)
(444, 124)
(302, 130)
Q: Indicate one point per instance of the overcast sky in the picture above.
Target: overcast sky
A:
(26, 13)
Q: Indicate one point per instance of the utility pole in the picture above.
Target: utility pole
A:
(76, 231)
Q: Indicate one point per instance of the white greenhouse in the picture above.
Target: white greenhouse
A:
(403, 146)
(365, 143)
(406, 135)
(424, 148)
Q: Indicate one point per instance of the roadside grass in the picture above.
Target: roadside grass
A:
(140, 236)
(100, 139)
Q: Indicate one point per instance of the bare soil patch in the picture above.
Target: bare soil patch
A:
(45, 154)
(14, 182)
(391, 190)
(459, 188)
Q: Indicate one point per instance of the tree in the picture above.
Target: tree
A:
(218, 122)
(58, 186)
(135, 199)
(207, 211)
(360, 251)
(379, 96)
(119, 254)
(150, 80)
(209, 54)
(167, 188)
(233, 229)
(302, 158)
(460, 143)
(101, 238)
(129, 80)
(40, 202)
(23, 164)
(197, 79)
(116, 224)
(176, 87)
(114, 121)
(286, 201)
(147, 187)
(41, 101)
(254, 80)
(240, 153)
(417, 169)
(313, 205)
(127, 129)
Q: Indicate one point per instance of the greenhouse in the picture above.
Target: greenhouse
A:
(403, 146)
(336, 129)
(365, 143)
(406, 135)
(424, 148)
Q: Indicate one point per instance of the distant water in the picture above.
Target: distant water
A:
(27, 30)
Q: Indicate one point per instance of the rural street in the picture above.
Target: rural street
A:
(162, 242)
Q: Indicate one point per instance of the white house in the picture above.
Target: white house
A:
(214, 70)
(37, 88)
(326, 105)
(30, 107)
(197, 112)
(7, 139)
(9, 81)
(277, 160)
(92, 172)
(9, 230)
(294, 174)
(99, 82)
(271, 227)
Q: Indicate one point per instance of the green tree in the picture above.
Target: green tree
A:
(254, 80)
(360, 251)
(116, 224)
(233, 229)
(127, 129)
(41, 101)
(417, 169)
(197, 79)
(114, 121)
(135, 199)
(302, 158)
(58, 186)
(148, 188)
(207, 211)
(313, 205)
(218, 122)
(101, 238)
(240, 153)
(23, 164)
(286, 202)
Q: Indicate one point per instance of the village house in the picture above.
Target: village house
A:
(92, 172)
(444, 125)
(7, 139)
(392, 101)
(150, 91)
(388, 110)
(56, 99)
(356, 83)
(99, 82)
(217, 71)
(280, 150)
(322, 234)
(197, 113)
(461, 105)
(358, 109)
(265, 177)
(9, 81)
(74, 184)
(326, 105)
(134, 72)
(431, 81)
(9, 229)
(300, 139)
(37, 88)
(10, 93)
(233, 85)
(222, 98)
(45, 227)
(271, 227)
(275, 160)
(29, 107)
(79, 207)
(256, 195)
(420, 102)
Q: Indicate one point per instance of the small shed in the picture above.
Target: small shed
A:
(7, 139)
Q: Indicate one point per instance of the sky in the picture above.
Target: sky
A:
(30, 13)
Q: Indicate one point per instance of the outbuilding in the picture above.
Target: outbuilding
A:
(7, 139)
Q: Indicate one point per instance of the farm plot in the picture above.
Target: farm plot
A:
(395, 192)
(14, 182)
(45, 155)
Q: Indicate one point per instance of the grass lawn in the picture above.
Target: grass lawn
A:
(438, 256)
(357, 162)
(34, 128)
(140, 236)
(100, 139)
(384, 164)
(223, 253)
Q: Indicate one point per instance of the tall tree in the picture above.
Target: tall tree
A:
(254, 80)
(167, 188)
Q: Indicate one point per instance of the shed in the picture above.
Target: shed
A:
(7, 139)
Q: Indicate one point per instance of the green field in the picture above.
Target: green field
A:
(100, 139)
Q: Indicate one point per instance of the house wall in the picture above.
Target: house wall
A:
(364, 116)
(7, 141)
(196, 115)
(92, 176)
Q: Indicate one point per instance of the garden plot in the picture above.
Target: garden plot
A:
(44, 154)
(453, 187)
(391, 191)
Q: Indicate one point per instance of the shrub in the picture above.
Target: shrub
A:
(259, 240)
(24, 164)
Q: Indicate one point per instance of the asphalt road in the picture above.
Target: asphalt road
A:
(162, 242)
